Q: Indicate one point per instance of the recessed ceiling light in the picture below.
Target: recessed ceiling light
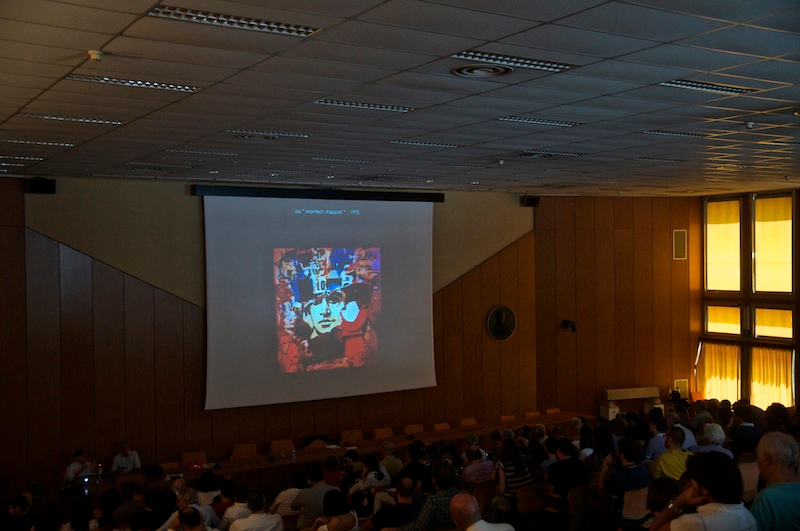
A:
(13, 164)
(37, 142)
(481, 71)
(204, 152)
(475, 182)
(423, 144)
(335, 159)
(467, 166)
(361, 105)
(231, 21)
(705, 87)
(780, 143)
(267, 133)
(398, 176)
(512, 61)
(538, 121)
(675, 133)
(59, 118)
(135, 83)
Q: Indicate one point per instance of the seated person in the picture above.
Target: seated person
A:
(80, 467)
(309, 501)
(283, 502)
(127, 461)
(623, 473)
(568, 471)
(258, 520)
(404, 511)
(337, 517)
(478, 470)
(672, 463)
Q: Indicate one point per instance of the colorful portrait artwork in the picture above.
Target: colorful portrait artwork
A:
(327, 302)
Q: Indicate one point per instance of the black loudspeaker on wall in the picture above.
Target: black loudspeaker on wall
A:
(529, 201)
(40, 185)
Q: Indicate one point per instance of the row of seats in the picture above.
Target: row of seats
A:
(353, 437)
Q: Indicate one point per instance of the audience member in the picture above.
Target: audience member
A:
(309, 500)
(127, 461)
(701, 416)
(208, 487)
(258, 520)
(81, 516)
(656, 445)
(777, 506)
(477, 470)
(239, 509)
(190, 519)
(672, 463)
(225, 499)
(777, 415)
(435, 513)
(659, 495)
(712, 440)
(337, 517)
(467, 515)
(568, 471)
(332, 470)
(403, 512)
(390, 462)
(19, 517)
(512, 474)
(623, 473)
(716, 492)
(283, 502)
(744, 434)
(132, 504)
(674, 420)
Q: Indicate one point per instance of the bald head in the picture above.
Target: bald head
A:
(465, 510)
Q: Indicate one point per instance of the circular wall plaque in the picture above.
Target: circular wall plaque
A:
(501, 323)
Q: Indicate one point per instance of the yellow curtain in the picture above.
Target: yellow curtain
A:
(772, 377)
(718, 372)
(723, 262)
(773, 244)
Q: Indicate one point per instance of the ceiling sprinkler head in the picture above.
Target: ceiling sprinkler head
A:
(95, 56)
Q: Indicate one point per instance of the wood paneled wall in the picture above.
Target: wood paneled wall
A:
(94, 356)
(606, 264)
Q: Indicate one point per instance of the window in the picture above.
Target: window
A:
(748, 346)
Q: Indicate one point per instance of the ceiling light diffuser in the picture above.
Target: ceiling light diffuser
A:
(59, 118)
(538, 121)
(512, 61)
(675, 133)
(135, 83)
(705, 87)
(360, 105)
(230, 21)
(37, 142)
(423, 144)
(260, 132)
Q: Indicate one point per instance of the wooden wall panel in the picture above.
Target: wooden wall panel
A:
(586, 318)
(198, 426)
(169, 384)
(681, 343)
(109, 361)
(492, 375)
(566, 339)
(392, 411)
(13, 381)
(526, 325)
(474, 322)
(624, 316)
(140, 382)
(276, 422)
(547, 323)
(643, 292)
(77, 357)
(45, 454)
(509, 349)
(325, 418)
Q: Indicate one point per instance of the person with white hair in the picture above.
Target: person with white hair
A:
(467, 515)
(712, 440)
(776, 506)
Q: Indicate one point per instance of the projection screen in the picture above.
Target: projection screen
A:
(315, 298)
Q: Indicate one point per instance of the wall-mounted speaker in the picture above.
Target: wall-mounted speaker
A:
(529, 201)
(40, 185)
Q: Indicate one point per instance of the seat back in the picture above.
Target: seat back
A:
(552, 411)
(383, 433)
(316, 444)
(281, 447)
(352, 437)
(244, 451)
(530, 499)
(634, 504)
(469, 421)
(508, 418)
(484, 493)
(442, 426)
(411, 429)
(198, 456)
(532, 415)
(750, 476)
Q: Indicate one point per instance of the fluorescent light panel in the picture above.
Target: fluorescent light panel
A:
(16, 157)
(538, 121)
(705, 87)
(203, 152)
(510, 60)
(231, 21)
(334, 159)
(423, 144)
(59, 118)
(267, 133)
(544, 152)
(135, 83)
(675, 133)
(37, 142)
(361, 105)
(653, 159)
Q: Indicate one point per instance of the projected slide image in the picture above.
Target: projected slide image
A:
(328, 302)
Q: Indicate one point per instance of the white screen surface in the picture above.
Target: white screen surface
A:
(310, 299)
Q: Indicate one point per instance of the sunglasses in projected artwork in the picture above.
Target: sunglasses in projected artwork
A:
(327, 301)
